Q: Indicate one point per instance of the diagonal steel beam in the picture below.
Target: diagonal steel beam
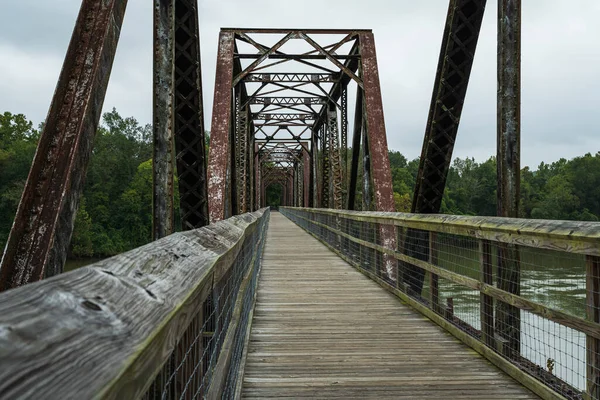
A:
(189, 117)
(332, 59)
(463, 25)
(262, 58)
(40, 236)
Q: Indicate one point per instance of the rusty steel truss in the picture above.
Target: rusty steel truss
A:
(283, 95)
(283, 100)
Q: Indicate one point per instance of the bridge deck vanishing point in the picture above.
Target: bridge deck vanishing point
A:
(321, 329)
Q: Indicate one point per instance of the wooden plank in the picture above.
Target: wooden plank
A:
(104, 331)
(322, 330)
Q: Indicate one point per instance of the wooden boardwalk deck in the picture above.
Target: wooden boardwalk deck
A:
(323, 330)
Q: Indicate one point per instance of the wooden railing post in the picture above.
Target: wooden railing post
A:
(486, 302)
(593, 314)
(434, 289)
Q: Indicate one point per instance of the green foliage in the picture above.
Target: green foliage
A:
(115, 208)
(18, 141)
(563, 190)
(274, 195)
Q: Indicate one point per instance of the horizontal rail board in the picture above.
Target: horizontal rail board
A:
(579, 237)
(104, 331)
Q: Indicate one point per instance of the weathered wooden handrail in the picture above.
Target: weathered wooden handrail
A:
(354, 236)
(106, 330)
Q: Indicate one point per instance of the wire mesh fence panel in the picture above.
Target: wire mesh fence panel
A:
(195, 365)
(527, 290)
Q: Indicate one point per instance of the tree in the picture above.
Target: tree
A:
(18, 141)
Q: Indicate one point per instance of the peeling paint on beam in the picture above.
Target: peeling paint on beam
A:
(311, 31)
(40, 236)
(509, 107)
(509, 163)
(380, 162)
(162, 160)
(219, 155)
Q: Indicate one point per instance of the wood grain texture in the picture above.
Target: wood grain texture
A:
(104, 331)
(323, 330)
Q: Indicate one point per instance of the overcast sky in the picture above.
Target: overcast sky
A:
(561, 58)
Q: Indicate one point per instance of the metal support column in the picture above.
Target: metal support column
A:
(337, 200)
(189, 117)
(39, 239)
(219, 156)
(508, 318)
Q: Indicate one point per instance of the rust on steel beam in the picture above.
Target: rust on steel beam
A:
(334, 159)
(344, 141)
(189, 117)
(381, 175)
(325, 168)
(219, 156)
(312, 31)
(508, 321)
(380, 162)
(306, 176)
(162, 165)
(463, 24)
(459, 42)
(39, 239)
(312, 189)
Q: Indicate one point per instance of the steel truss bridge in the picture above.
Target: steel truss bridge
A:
(245, 302)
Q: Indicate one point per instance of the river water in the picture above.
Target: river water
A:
(554, 279)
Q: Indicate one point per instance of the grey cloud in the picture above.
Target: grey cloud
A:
(561, 51)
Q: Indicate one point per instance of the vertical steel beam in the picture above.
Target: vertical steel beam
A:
(380, 161)
(252, 171)
(39, 239)
(219, 156)
(325, 167)
(367, 194)
(334, 158)
(189, 117)
(257, 176)
(357, 135)
(508, 321)
(306, 176)
(344, 141)
(463, 24)
(232, 200)
(162, 166)
(313, 171)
